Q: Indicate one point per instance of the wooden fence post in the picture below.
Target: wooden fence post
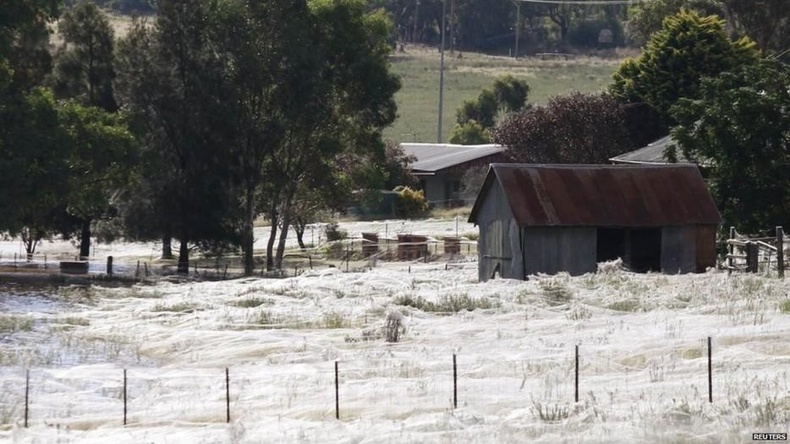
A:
(780, 252)
(752, 257)
(227, 395)
(337, 392)
(710, 371)
(455, 382)
(576, 383)
(27, 395)
(124, 397)
(730, 250)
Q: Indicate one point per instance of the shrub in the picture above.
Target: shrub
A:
(394, 326)
(556, 292)
(334, 233)
(410, 203)
(550, 412)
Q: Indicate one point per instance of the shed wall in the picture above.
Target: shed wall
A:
(553, 249)
(706, 247)
(499, 246)
(678, 249)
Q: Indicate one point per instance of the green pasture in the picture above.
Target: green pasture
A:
(465, 77)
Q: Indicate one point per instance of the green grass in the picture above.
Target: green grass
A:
(451, 303)
(15, 323)
(418, 99)
(252, 302)
(178, 307)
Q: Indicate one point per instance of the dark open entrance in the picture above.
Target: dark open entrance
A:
(640, 249)
(611, 244)
(645, 250)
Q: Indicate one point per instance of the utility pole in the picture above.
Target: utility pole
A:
(452, 27)
(518, 25)
(441, 75)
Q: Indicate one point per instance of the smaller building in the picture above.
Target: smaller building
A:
(552, 218)
(440, 167)
(664, 151)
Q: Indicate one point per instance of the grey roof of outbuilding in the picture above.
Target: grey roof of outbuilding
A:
(433, 157)
(653, 153)
(602, 195)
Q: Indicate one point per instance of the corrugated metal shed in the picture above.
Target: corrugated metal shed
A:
(433, 157)
(603, 195)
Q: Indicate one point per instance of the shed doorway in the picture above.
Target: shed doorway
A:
(645, 250)
(610, 244)
(640, 249)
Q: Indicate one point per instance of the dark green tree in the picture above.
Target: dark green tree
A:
(266, 50)
(101, 153)
(740, 125)
(84, 72)
(84, 63)
(482, 110)
(687, 48)
(172, 76)
(475, 118)
(470, 133)
(33, 166)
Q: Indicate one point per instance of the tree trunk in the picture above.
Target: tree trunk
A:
(272, 238)
(299, 230)
(183, 257)
(85, 239)
(247, 238)
(167, 246)
(283, 236)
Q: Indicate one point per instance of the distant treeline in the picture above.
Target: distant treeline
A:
(492, 25)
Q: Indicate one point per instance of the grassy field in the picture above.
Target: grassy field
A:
(464, 78)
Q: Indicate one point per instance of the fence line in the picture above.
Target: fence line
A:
(746, 253)
(451, 381)
(346, 254)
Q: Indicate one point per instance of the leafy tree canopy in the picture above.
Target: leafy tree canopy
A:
(741, 125)
(506, 94)
(470, 133)
(84, 64)
(687, 48)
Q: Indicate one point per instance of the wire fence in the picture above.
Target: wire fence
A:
(386, 384)
(352, 254)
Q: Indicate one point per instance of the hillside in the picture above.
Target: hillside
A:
(465, 77)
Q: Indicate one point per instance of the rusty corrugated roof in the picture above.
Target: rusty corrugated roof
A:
(603, 195)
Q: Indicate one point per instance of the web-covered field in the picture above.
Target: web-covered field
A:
(642, 346)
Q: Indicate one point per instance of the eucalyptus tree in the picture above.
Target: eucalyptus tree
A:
(31, 167)
(84, 72)
(171, 75)
(343, 97)
(268, 62)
